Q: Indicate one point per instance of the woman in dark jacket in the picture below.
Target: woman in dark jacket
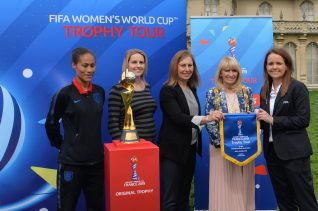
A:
(285, 115)
(180, 133)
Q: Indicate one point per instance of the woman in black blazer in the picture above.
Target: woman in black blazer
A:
(285, 115)
(180, 132)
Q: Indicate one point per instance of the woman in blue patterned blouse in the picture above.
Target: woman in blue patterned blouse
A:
(231, 187)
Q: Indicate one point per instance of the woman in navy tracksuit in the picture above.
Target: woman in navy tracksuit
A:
(80, 106)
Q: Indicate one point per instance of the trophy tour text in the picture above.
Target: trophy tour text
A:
(114, 26)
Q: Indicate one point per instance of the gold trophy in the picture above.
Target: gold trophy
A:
(129, 133)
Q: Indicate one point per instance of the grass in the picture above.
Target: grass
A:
(313, 135)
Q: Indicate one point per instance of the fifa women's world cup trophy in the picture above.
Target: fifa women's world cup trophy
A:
(129, 133)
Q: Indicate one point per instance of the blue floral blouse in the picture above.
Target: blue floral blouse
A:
(216, 99)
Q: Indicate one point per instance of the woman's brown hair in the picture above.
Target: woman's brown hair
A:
(173, 73)
(287, 76)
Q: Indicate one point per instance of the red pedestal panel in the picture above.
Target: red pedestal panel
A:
(132, 176)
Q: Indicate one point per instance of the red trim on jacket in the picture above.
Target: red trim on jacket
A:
(80, 89)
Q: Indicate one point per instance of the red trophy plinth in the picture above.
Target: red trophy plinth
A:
(132, 176)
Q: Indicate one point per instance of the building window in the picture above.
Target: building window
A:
(291, 49)
(211, 7)
(307, 11)
(265, 9)
(312, 63)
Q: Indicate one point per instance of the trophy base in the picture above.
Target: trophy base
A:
(129, 136)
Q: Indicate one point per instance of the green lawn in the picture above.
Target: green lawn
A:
(313, 134)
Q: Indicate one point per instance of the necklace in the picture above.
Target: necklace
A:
(232, 103)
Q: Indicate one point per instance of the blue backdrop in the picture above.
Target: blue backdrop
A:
(36, 39)
(247, 39)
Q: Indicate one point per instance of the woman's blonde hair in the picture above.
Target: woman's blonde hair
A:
(128, 55)
(232, 64)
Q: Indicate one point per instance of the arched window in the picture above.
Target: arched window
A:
(307, 11)
(265, 9)
(291, 49)
(312, 63)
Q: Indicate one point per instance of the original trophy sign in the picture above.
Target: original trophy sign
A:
(129, 133)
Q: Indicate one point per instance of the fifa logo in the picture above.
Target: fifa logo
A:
(134, 161)
(239, 126)
(232, 44)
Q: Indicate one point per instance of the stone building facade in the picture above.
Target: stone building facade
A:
(295, 27)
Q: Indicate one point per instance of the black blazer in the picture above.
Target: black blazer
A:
(291, 118)
(176, 129)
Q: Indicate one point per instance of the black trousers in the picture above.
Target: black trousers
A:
(176, 182)
(71, 180)
(292, 182)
